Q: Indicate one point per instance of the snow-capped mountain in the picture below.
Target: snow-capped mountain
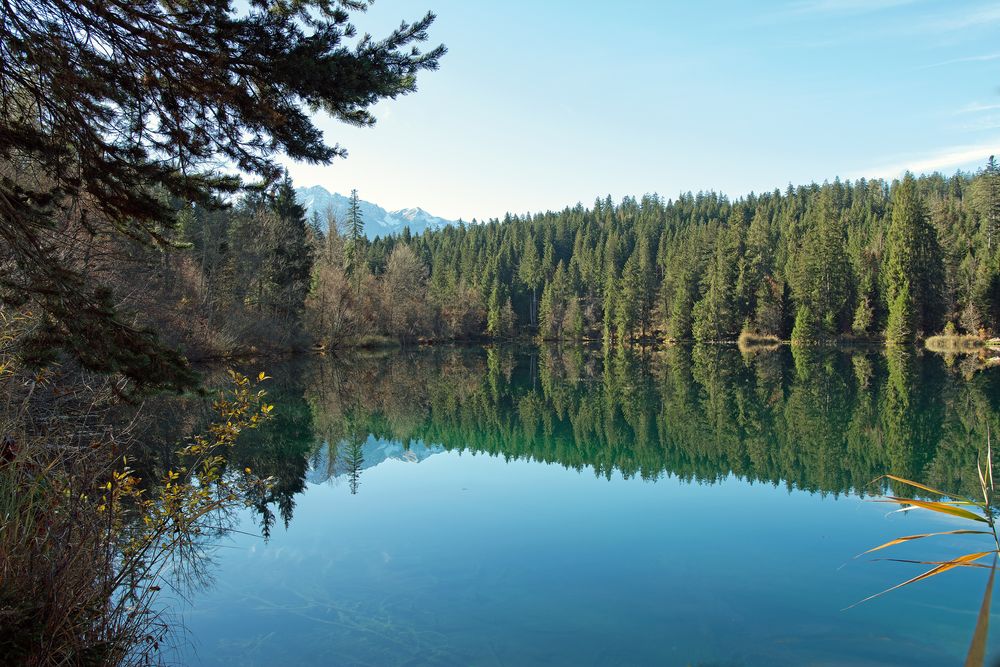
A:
(374, 452)
(378, 221)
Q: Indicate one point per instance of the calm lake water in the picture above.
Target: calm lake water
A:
(469, 506)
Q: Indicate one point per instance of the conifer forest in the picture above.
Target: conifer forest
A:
(726, 419)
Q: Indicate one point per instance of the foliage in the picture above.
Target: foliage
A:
(831, 258)
(86, 543)
(979, 512)
(110, 113)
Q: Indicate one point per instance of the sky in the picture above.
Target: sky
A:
(540, 105)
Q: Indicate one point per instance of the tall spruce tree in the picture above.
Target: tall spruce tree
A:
(991, 217)
(822, 273)
(293, 255)
(913, 259)
(717, 315)
(354, 251)
(529, 270)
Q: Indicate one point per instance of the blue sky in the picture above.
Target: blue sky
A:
(539, 105)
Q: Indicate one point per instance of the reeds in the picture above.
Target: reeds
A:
(956, 343)
(754, 342)
(979, 513)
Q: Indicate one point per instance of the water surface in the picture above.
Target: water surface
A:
(468, 506)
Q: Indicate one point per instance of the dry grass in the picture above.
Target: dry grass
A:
(963, 344)
(754, 342)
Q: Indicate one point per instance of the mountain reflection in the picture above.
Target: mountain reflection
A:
(826, 421)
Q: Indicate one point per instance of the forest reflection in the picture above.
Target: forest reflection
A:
(821, 420)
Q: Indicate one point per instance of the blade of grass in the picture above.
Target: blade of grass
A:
(982, 482)
(929, 562)
(941, 567)
(900, 540)
(977, 648)
(989, 455)
(923, 486)
(943, 508)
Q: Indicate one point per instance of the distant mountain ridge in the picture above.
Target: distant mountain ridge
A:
(374, 452)
(378, 221)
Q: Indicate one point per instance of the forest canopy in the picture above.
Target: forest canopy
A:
(868, 259)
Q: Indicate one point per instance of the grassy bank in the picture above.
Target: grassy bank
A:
(954, 343)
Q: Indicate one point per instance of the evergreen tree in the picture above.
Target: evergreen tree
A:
(500, 314)
(808, 328)
(555, 299)
(629, 298)
(354, 250)
(717, 315)
(900, 328)
(530, 272)
(991, 204)
(913, 258)
(822, 272)
(292, 260)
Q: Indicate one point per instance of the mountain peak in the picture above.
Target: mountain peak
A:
(377, 221)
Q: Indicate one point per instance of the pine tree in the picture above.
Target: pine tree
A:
(630, 295)
(913, 258)
(555, 298)
(900, 328)
(573, 319)
(354, 250)
(292, 259)
(500, 314)
(808, 328)
(822, 272)
(991, 219)
(717, 315)
(530, 273)
(611, 299)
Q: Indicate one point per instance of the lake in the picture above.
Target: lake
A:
(690, 506)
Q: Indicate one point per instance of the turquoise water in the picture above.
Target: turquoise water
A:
(471, 507)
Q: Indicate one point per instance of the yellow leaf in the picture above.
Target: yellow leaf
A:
(900, 540)
(925, 488)
(938, 569)
(977, 648)
(943, 508)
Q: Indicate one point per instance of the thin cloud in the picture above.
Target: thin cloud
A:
(967, 59)
(825, 9)
(976, 107)
(953, 21)
(814, 7)
(947, 159)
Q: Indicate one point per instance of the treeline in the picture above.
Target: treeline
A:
(865, 259)
(258, 276)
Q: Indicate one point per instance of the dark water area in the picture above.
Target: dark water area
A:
(691, 506)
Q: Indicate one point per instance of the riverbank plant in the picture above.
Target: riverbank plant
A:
(981, 516)
(86, 542)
